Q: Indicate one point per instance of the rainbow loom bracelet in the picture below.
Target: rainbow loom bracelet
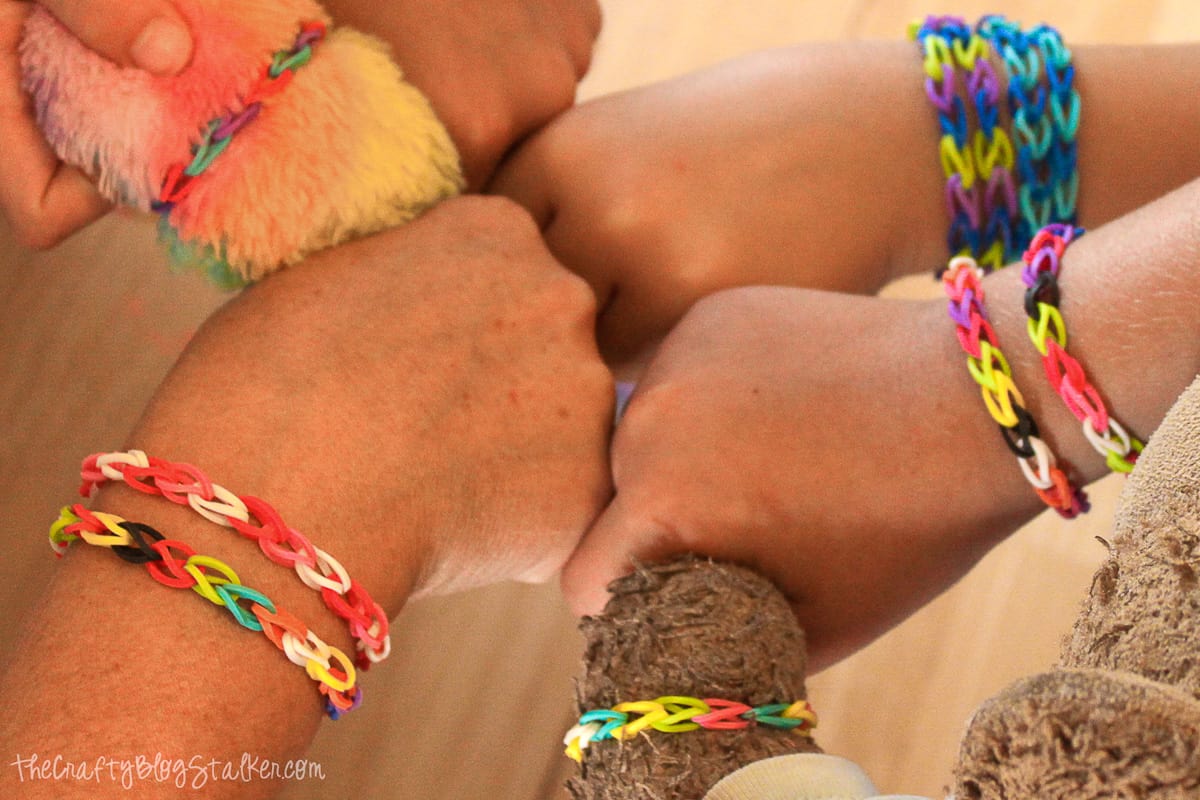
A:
(1004, 402)
(219, 584)
(982, 215)
(186, 485)
(218, 133)
(1045, 123)
(677, 714)
(182, 178)
(1043, 260)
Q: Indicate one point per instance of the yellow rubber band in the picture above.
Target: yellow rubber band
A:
(652, 711)
(205, 582)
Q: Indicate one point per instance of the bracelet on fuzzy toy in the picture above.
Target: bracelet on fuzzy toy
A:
(216, 582)
(980, 196)
(331, 142)
(677, 714)
(1004, 402)
(186, 485)
(1043, 260)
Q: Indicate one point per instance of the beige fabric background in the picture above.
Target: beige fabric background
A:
(477, 695)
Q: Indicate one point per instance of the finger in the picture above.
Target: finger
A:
(149, 34)
(608, 551)
(43, 199)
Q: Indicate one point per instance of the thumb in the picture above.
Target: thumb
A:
(148, 34)
(608, 550)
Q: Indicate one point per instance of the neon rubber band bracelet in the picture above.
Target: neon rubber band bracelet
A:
(181, 177)
(678, 714)
(216, 582)
(1043, 261)
(990, 369)
(981, 199)
(184, 484)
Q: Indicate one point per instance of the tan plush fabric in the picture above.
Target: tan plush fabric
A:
(1121, 717)
(1143, 611)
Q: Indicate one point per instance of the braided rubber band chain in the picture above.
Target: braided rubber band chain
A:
(181, 177)
(677, 714)
(219, 584)
(981, 198)
(993, 221)
(1004, 402)
(1043, 260)
(1045, 119)
(255, 519)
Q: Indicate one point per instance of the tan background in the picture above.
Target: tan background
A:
(478, 693)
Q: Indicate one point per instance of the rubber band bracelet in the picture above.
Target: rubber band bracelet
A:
(981, 198)
(990, 369)
(219, 584)
(1043, 261)
(258, 520)
(1045, 119)
(678, 714)
(181, 177)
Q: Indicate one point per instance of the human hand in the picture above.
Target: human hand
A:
(427, 404)
(494, 70)
(832, 442)
(786, 167)
(43, 199)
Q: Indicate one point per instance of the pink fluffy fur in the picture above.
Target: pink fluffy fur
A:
(347, 148)
(132, 125)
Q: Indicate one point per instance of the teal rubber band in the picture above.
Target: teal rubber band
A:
(1038, 141)
(1036, 217)
(231, 593)
(1066, 196)
(1067, 123)
(1025, 70)
(206, 153)
(611, 719)
(1053, 48)
(279, 64)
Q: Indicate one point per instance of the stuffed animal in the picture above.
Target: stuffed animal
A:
(1118, 718)
(282, 136)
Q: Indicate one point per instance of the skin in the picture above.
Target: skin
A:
(435, 414)
(494, 71)
(810, 166)
(837, 444)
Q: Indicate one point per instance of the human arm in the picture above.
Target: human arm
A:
(44, 199)
(494, 71)
(811, 166)
(837, 444)
(426, 405)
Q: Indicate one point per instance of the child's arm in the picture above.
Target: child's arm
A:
(838, 444)
(814, 166)
(427, 406)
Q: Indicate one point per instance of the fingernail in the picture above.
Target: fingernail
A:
(163, 47)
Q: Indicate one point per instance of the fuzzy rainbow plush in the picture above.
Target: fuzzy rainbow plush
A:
(341, 148)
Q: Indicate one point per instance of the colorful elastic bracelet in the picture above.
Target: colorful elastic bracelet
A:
(1004, 402)
(219, 584)
(182, 177)
(675, 714)
(981, 199)
(255, 519)
(1043, 260)
(1045, 120)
